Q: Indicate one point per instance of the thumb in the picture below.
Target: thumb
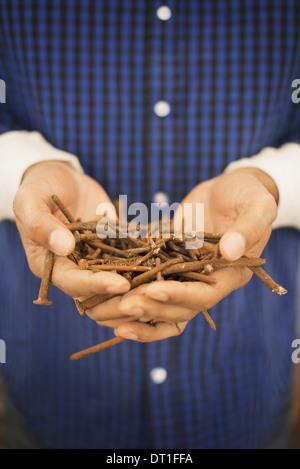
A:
(61, 241)
(36, 222)
(255, 218)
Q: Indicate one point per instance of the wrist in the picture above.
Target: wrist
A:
(20, 150)
(264, 178)
(48, 166)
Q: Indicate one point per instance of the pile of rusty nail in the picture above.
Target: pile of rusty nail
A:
(143, 260)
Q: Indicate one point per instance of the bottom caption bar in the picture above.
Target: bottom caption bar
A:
(141, 457)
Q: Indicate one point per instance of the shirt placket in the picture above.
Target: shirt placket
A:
(159, 107)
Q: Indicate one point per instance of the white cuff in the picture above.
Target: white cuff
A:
(19, 150)
(283, 165)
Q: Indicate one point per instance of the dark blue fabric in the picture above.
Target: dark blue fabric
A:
(86, 74)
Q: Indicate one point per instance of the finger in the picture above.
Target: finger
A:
(199, 296)
(113, 323)
(35, 219)
(109, 311)
(150, 309)
(257, 214)
(73, 281)
(144, 332)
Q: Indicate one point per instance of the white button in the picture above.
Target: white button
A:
(160, 198)
(163, 13)
(158, 375)
(162, 108)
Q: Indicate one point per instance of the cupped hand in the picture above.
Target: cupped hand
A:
(42, 226)
(242, 205)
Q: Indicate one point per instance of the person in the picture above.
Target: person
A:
(179, 101)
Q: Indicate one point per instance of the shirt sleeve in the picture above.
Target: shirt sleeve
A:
(20, 149)
(283, 165)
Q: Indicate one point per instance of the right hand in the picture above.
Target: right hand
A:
(41, 227)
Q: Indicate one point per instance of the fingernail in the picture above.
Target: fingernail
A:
(130, 335)
(233, 245)
(61, 242)
(156, 294)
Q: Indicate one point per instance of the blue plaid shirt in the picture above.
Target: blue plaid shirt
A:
(87, 74)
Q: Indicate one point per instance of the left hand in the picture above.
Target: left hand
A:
(242, 205)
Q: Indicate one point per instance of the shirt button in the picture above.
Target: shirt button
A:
(162, 108)
(160, 198)
(163, 13)
(158, 375)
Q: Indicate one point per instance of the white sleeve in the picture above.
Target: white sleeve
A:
(283, 165)
(19, 150)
